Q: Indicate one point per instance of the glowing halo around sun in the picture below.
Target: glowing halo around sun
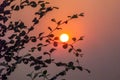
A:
(64, 37)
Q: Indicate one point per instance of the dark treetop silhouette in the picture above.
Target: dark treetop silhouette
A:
(11, 44)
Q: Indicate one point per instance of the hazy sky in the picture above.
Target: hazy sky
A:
(101, 27)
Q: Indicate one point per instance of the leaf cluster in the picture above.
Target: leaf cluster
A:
(20, 36)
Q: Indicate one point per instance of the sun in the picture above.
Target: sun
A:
(64, 37)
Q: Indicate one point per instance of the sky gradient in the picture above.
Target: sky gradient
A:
(101, 28)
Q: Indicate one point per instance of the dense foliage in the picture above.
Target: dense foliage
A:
(12, 44)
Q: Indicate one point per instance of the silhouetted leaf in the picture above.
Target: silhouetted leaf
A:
(70, 64)
(39, 48)
(50, 28)
(75, 16)
(70, 50)
(40, 34)
(30, 75)
(32, 49)
(16, 30)
(47, 2)
(81, 38)
(17, 8)
(40, 44)
(21, 6)
(51, 35)
(77, 54)
(52, 50)
(26, 37)
(7, 12)
(49, 9)
(4, 64)
(65, 46)
(55, 44)
(88, 70)
(0, 54)
(80, 68)
(81, 14)
(46, 45)
(56, 38)
(79, 50)
(32, 64)
(16, 23)
(33, 39)
(53, 20)
(69, 16)
(25, 61)
(44, 65)
(73, 67)
(48, 61)
(42, 5)
(46, 53)
(10, 27)
(12, 36)
(59, 28)
(54, 78)
(18, 37)
(27, 55)
(44, 72)
(12, 42)
(41, 38)
(30, 29)
(21, 25)
(74, 39)
(40, 1)
(22, 33)
(12, 7)
(5, 19)
(35, 75)
(4, 77)
(56, 7)
(66, 22)
(33, 4)
(59, 22)
(62, 73)
(81, 55)
(37, 67)
(7, 58)
(41, 14)
(35, 20)
(39, 57)
(1, 70)
(32, 58)
(60, 64)
(48, 41)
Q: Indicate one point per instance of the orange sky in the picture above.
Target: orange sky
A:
(101, 28)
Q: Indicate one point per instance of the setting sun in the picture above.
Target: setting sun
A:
(64, 37)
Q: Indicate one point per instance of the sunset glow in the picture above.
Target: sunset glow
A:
(64, 37)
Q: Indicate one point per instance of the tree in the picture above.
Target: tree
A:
(12, 44)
